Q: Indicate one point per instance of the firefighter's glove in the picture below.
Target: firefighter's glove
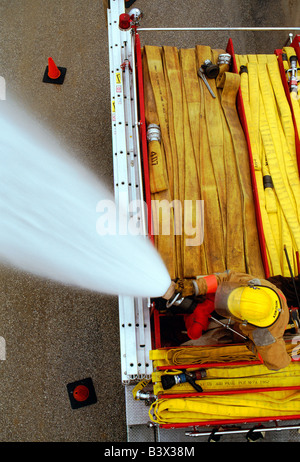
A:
(185, 287)
(192, 287)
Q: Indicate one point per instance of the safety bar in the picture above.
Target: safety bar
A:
(214, 29)
(233, 431)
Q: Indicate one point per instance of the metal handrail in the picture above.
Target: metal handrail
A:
(145, 29)
(233, 431)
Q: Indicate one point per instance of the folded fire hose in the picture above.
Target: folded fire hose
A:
(233, 378)
(203, 156)
(204, 151)
(225, 407)
(179, 356)
(272, 139)
(229, 384)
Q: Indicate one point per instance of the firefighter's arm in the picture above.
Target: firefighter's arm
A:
(274, 355)
(207, 284)
(201, 285)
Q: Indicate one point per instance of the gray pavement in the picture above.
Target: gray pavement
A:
(56, 334)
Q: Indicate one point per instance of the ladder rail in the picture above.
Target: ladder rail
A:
(134, 313)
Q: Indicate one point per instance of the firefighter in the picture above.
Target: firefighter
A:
(257, 305)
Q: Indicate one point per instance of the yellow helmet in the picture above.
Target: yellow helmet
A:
(257, 305)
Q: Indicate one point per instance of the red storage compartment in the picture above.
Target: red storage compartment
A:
(158, 318)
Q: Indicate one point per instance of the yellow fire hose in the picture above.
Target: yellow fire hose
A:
(272, 139)
(179, 356)
(220, 379)
(226, 407)
(206, 158)
(223, 378)
(156, 96)
(233, 378)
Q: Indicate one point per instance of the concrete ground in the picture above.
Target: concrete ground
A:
(55, 334)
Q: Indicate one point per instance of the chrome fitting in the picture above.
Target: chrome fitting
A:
(136, 15)
(153, 132)
(224, 58)
(175, 300)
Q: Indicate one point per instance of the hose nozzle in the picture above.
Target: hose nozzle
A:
(170, 292)
(168, 381)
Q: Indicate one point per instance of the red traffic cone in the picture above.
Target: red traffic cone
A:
(81, 393)
(53, 71)
(54, 74)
